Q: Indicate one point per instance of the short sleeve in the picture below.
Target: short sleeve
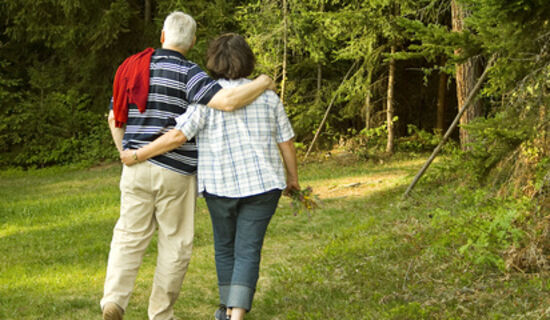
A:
(192, 120)
(200, 87)
(284, 128)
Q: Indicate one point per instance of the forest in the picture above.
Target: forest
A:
(392, 74)
(379, 80)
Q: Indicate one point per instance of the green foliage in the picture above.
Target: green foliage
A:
(9, 97)
(512, 134)
(496, 138)
(418, 140)
(375, 137)
(325, 39)
(311, 54)
(58, 59)
(57, 63)
(53, 51)
(67, 131)
(542, 176)
(433, 41)
(478, 227)
(518, 31)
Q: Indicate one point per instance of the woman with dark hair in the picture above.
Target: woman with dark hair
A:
(241, 171)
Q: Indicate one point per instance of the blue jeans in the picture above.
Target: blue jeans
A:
(239, 226)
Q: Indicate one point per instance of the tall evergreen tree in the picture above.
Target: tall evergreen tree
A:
(57, 52)
(467, 74)
(517, 33)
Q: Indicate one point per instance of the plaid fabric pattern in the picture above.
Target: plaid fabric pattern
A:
(238, 151)
(174, 83)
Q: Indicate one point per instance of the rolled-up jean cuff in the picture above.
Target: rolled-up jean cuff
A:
(240, 297)
(224, 293)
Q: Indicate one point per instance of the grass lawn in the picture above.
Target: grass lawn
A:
(364, 255)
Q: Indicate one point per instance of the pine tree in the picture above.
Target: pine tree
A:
(467, 74)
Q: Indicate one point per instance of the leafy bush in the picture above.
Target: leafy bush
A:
(375, 138)
(418, 140)
(495, 139)
(58, 129)
(479, 228)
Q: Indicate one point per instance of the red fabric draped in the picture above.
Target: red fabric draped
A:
(131, 85)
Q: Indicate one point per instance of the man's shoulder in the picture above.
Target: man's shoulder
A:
(175, 64)
(174, 57)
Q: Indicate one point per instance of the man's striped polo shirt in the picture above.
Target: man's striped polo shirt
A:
(174, 83)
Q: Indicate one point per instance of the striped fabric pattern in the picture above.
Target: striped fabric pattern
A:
(174, 83)
(238, 151)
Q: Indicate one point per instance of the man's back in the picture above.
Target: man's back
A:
(174, 83)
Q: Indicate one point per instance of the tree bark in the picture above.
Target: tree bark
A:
(285, 44)
(390, 103)
(441, 102)
(466, 77)
(368, 97)
(319, 79)
(147, 14)
(543, 119)
(368, 111)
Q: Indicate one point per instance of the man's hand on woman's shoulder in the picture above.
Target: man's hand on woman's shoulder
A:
(271, 85)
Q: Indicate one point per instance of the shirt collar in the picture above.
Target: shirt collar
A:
(170, 52)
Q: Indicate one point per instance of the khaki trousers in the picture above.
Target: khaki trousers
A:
(152, 198)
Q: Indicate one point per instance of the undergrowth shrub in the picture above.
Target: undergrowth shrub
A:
(374, 140)
(57, 129)
(497, 140)
(418, 140)
(477, 227)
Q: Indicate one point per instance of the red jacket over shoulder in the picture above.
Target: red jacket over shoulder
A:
(131, 85)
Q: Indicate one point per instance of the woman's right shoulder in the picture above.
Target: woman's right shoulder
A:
(271, 97)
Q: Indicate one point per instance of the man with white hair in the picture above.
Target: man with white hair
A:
(150, 90)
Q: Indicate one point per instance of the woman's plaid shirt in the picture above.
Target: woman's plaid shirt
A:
(238, 151)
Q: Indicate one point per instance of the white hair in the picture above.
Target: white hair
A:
(179, 30)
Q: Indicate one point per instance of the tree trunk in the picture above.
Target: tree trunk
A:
(543, 120)
(368, 104)
(441, 102)
(368, 111)
(319, 70)
(390, 103)
(466, 77)
(319, 79)
(147, 14)
(285, 44)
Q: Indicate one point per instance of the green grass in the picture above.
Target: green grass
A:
(364, 255)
